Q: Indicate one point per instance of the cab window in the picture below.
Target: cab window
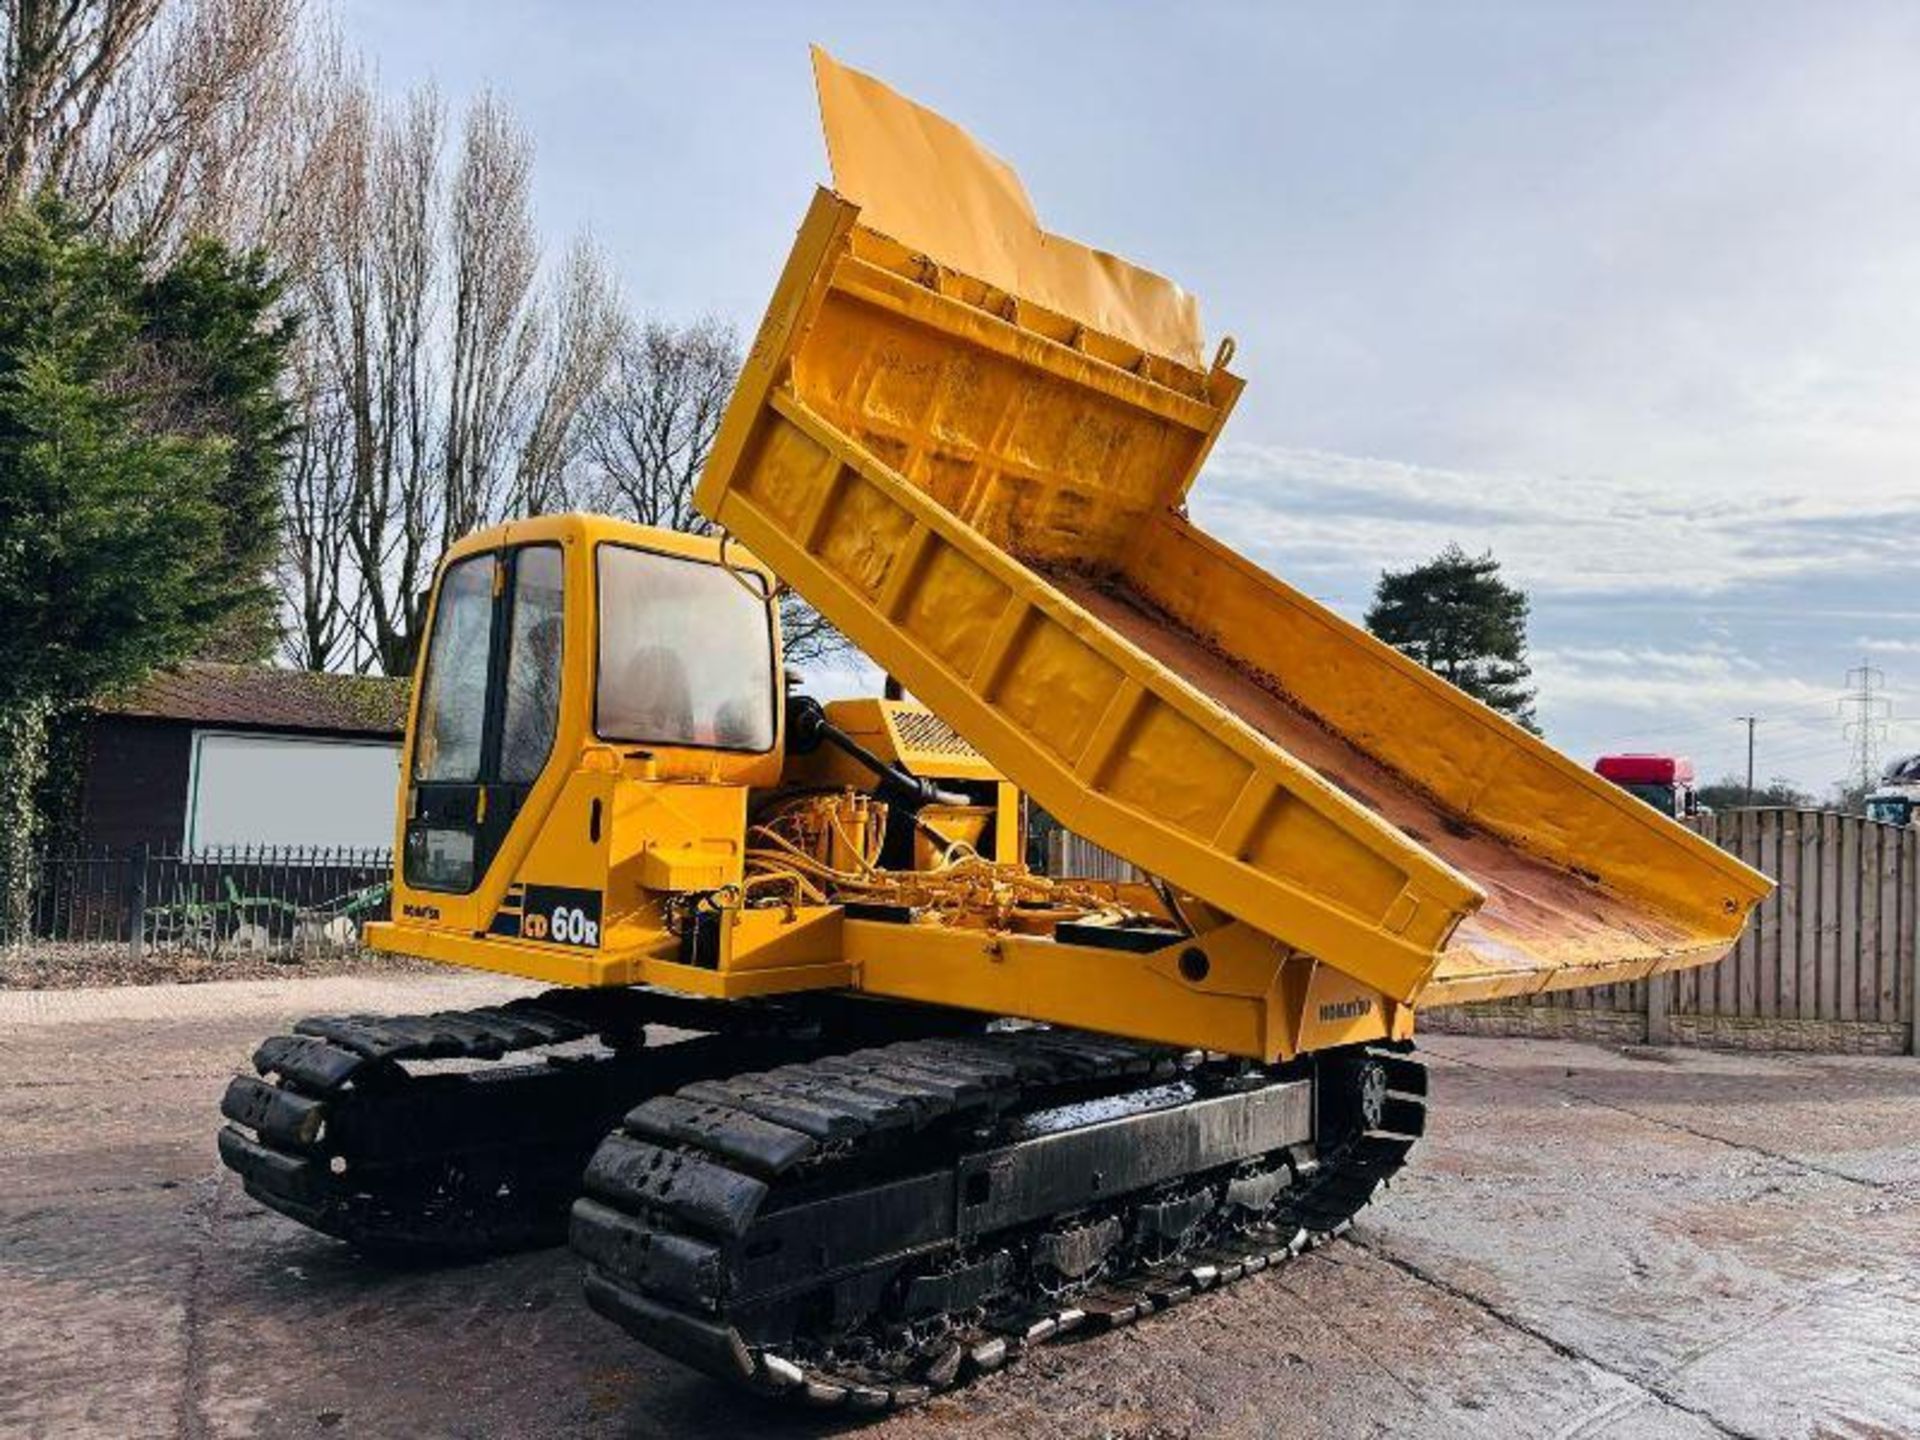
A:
(489, 709)
(686, 654)
(453, 700)
(533, 664)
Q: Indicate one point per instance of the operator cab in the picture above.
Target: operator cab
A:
(1663, 781)
(575, 667)
(490, 703)
(600, 733)
(681, 655)
(1897, 801)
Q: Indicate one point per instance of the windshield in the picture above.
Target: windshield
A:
(686, 654)
(1661, 797)
(1892, 810)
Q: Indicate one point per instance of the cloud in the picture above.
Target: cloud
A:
(1688, 705)
(1682, 690)
(1633, 300)
(1316, 514)
(1695, 666)
(1658, 614)
(1594, 700)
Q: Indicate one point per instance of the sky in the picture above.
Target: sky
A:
(1627, 294)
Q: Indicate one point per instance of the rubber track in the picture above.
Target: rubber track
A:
(335, 1133)
(672, 1197)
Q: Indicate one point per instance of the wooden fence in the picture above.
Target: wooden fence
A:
(1830, 961)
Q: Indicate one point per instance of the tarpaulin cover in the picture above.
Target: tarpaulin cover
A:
(925, 182)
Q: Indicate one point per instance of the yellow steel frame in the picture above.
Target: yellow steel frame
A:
(990, 644)
(1230, 989)
(931, 524)
(882, 453)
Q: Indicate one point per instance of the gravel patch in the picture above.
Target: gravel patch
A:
(70, 966)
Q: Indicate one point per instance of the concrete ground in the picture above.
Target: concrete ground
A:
(1589, 1243)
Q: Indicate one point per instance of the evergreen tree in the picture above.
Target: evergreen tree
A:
(1457, 617)
(138, 434)
(220, 336)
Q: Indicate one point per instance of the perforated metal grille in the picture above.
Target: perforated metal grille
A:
(923, 730)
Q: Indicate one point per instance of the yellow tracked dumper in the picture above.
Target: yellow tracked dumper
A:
(833, 1096)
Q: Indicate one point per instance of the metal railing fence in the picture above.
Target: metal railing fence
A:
(253, 898)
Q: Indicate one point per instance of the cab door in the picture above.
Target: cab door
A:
(489, 707)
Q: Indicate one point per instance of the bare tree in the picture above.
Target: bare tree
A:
(583, 341)
(156, 118)
(807, 635)
(316, 579)
(370, 291)
(450, 369)
(63, 61)
(649, 431)
(496, 332)
(652, 425)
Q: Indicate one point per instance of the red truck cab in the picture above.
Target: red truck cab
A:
(1663, 781)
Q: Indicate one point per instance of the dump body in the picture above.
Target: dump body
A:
(986, 494)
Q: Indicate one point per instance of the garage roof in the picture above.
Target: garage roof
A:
(261, 697)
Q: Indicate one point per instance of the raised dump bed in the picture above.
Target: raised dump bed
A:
(968, 444)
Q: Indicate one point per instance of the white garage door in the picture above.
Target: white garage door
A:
(288, 790)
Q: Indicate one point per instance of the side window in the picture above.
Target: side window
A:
(453, 703)
(533, 664)
(686, 654)
(489, 710)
